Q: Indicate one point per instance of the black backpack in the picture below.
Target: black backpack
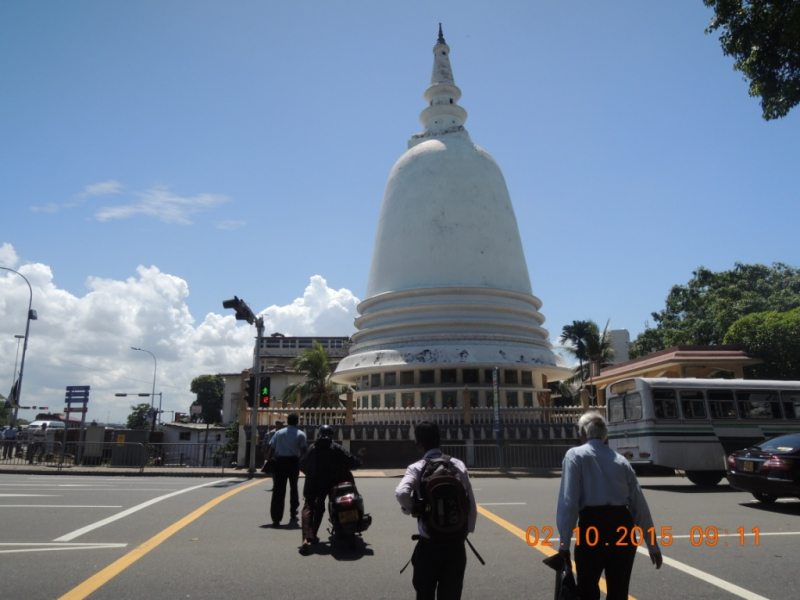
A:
(444, 504)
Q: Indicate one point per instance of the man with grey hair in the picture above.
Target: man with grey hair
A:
(601, 496)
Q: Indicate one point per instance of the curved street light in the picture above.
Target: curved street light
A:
(32, 316)
(153, 396)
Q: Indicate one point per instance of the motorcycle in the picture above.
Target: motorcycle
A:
(346, 513)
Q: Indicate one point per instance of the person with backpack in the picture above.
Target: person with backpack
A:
(437, 491)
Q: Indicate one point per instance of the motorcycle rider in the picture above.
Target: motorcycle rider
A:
(325, 464)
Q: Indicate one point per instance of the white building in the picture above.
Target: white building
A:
(449, 296)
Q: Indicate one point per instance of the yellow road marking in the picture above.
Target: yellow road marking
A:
(101, 578)
(547, 550)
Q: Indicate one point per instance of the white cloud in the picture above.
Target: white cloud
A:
(86, 340)
(161, 204)
(103, 188)
(8, 256)
(321, 311)
(50, 207)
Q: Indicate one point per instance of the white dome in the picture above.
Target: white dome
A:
(447, 219)
(448, 282)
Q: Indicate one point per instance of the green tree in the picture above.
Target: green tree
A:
(317, 390)
(210, 390)
(585, 341)
(231, 445)
(5, 412)
(763, 37)
(138, 417)
(773, 337)
(702, 311)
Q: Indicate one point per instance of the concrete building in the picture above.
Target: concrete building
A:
(449, 296)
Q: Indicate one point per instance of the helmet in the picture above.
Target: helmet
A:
(325, 431)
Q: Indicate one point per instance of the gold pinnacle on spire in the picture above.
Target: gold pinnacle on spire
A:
(441, 36)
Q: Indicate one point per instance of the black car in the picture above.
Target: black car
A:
(769, 470)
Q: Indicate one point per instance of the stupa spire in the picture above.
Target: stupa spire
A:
(443, 115)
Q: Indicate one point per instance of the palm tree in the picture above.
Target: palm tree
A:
(585, 342)
(573, 340)
(317, 390)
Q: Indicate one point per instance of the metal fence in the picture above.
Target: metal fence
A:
(131, 455)
(509, 456)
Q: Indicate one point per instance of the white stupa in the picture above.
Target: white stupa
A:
(449, 296)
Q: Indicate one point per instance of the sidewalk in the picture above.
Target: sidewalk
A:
(36, 469)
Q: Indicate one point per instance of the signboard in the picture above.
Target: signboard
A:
(77, 393)
(75, 409)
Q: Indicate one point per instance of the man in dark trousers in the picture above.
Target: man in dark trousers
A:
(287, 446)
(601, 495)
(438, 565)
(325, 464)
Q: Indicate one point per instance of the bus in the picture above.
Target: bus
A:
(693, 424)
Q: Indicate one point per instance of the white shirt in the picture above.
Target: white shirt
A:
(594, 475)
(410, 483)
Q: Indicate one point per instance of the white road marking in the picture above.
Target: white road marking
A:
(30, 495)
(56, 506)
(50, 547)
(79, 532)
(720, 583)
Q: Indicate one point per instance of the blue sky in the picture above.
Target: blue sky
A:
(159, 157)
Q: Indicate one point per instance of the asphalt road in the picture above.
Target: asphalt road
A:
(152, 537)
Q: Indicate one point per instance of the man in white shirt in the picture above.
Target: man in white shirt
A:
(601, 495)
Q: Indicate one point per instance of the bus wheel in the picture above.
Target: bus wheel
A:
(704, 478)
(765, 498)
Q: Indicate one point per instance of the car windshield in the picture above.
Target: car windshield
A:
(784, 443)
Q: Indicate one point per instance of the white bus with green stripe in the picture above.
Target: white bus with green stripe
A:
(693, 424)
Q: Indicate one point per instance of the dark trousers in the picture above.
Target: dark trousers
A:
(439, 569)
(287, 468)
(313, 511)
(8, 448)
(608, 554)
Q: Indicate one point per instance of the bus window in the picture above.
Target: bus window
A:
(758, 405)
(616, 412)
(791, 404)
(633, 407)
(721, 404)
(665, 405)
(692, 404)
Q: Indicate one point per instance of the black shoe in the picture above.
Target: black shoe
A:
(276, 523)
(305, 548)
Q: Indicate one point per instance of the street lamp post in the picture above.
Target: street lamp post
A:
(16, 358)
(153, 397)
(32, 316)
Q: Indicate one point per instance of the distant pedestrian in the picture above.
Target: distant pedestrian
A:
(287, 446)
(9, 441)
(39, 438)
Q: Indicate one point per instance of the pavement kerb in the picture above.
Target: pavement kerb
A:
(27, 469)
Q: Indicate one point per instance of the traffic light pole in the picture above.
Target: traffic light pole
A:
(243, 313)
(256, 396)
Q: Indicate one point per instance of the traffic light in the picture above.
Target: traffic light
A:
(248, 391)
(243, 312)
(264, 394)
